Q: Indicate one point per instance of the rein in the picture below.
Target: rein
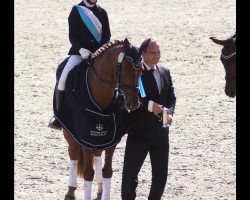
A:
(103, 81)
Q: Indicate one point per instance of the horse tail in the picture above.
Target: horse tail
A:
(80, 163)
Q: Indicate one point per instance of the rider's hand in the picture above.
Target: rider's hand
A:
(85, 53)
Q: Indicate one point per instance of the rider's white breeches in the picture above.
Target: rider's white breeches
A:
(72, 62)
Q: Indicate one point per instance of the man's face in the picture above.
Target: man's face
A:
(152, 55)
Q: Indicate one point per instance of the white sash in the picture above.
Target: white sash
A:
(91, 21)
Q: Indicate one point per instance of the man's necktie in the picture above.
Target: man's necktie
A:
(153, 81)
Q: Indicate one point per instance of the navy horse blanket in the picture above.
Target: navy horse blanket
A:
(83, 119)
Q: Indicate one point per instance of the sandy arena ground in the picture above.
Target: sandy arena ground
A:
(202, 164)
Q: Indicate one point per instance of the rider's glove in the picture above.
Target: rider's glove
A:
(85, 53)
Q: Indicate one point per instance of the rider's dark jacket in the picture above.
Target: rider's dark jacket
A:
(79, 35)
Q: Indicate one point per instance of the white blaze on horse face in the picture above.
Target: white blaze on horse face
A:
(120, 57)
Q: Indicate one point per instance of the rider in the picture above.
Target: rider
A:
(88, 31)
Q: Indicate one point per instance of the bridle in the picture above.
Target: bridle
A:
(136, 65)
(227, 57)
(118, 86)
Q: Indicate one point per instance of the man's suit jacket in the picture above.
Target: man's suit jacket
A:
(144, 124)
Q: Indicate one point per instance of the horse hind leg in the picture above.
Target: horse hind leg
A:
(73, 151)
(98, 173)
(68, 197)
(72, 180)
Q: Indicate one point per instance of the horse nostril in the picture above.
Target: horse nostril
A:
(231, 94)
(128, 105)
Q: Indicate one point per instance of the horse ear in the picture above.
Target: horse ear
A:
(126, 44)
(217, 41)
(126, 41)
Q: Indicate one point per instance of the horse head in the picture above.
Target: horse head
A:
(228, 59)
(116, 67)
(130, 71)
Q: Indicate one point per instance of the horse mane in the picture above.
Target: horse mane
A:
(105, 47)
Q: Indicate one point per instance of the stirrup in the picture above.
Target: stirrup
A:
(55, 124)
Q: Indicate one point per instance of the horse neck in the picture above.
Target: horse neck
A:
(105, 67)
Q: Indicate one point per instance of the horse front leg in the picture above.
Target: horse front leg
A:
(88, 173)
(107, 173)
(73, 150)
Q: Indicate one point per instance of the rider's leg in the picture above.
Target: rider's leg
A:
(59, 91)
(72, 62)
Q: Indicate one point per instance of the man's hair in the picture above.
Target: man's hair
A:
(145, 43)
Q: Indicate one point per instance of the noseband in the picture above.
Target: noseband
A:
(227, 57)
(136, 66)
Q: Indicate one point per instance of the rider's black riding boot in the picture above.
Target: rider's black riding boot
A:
(55, 124)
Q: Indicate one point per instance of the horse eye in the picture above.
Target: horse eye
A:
(138, 65)
(131, 60)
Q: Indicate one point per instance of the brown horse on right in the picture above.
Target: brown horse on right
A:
(228, 59)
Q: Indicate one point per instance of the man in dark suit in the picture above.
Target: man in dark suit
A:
(147, 135)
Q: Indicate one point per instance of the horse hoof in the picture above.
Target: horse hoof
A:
(68, 197)
(99, 197)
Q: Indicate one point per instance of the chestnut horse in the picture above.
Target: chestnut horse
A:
(228, 59)
(96, 92)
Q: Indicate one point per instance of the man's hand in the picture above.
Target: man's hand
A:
(170, 119)
(157, 108)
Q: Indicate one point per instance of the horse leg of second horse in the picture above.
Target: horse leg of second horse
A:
(107, 173)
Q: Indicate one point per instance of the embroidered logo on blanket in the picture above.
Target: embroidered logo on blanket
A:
(99, 127)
